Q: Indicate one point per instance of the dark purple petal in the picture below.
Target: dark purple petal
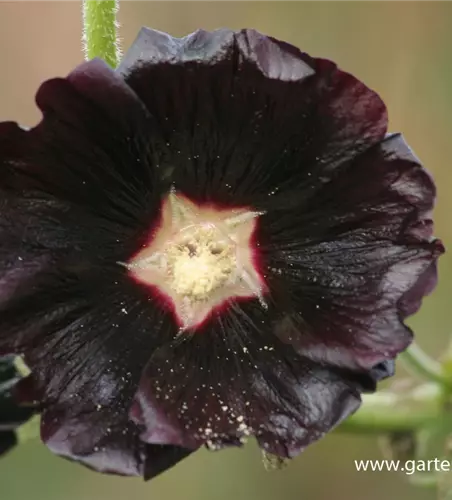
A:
(411, 301)
(76, 198)
(86, 358)
(244, 117)
(87, 158)
(207, 389)
(117, 451)
(76, 191)
(383, 370)
(346, 267)
(275, 59)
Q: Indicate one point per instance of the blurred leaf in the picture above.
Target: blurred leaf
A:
(11, 414)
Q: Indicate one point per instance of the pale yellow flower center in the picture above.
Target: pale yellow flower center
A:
(199, 257)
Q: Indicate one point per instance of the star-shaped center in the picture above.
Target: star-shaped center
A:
(199, 258)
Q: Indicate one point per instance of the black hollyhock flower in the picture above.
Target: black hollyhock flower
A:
(217, 241)
(11, 414)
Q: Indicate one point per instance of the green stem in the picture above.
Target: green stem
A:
(392, 412)
(388, 411)
(100, 30)
(419, 363)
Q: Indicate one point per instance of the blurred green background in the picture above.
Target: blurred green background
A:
(404, 51)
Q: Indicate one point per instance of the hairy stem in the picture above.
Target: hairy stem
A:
(100, 30)
(387, 412)
(420, 364)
